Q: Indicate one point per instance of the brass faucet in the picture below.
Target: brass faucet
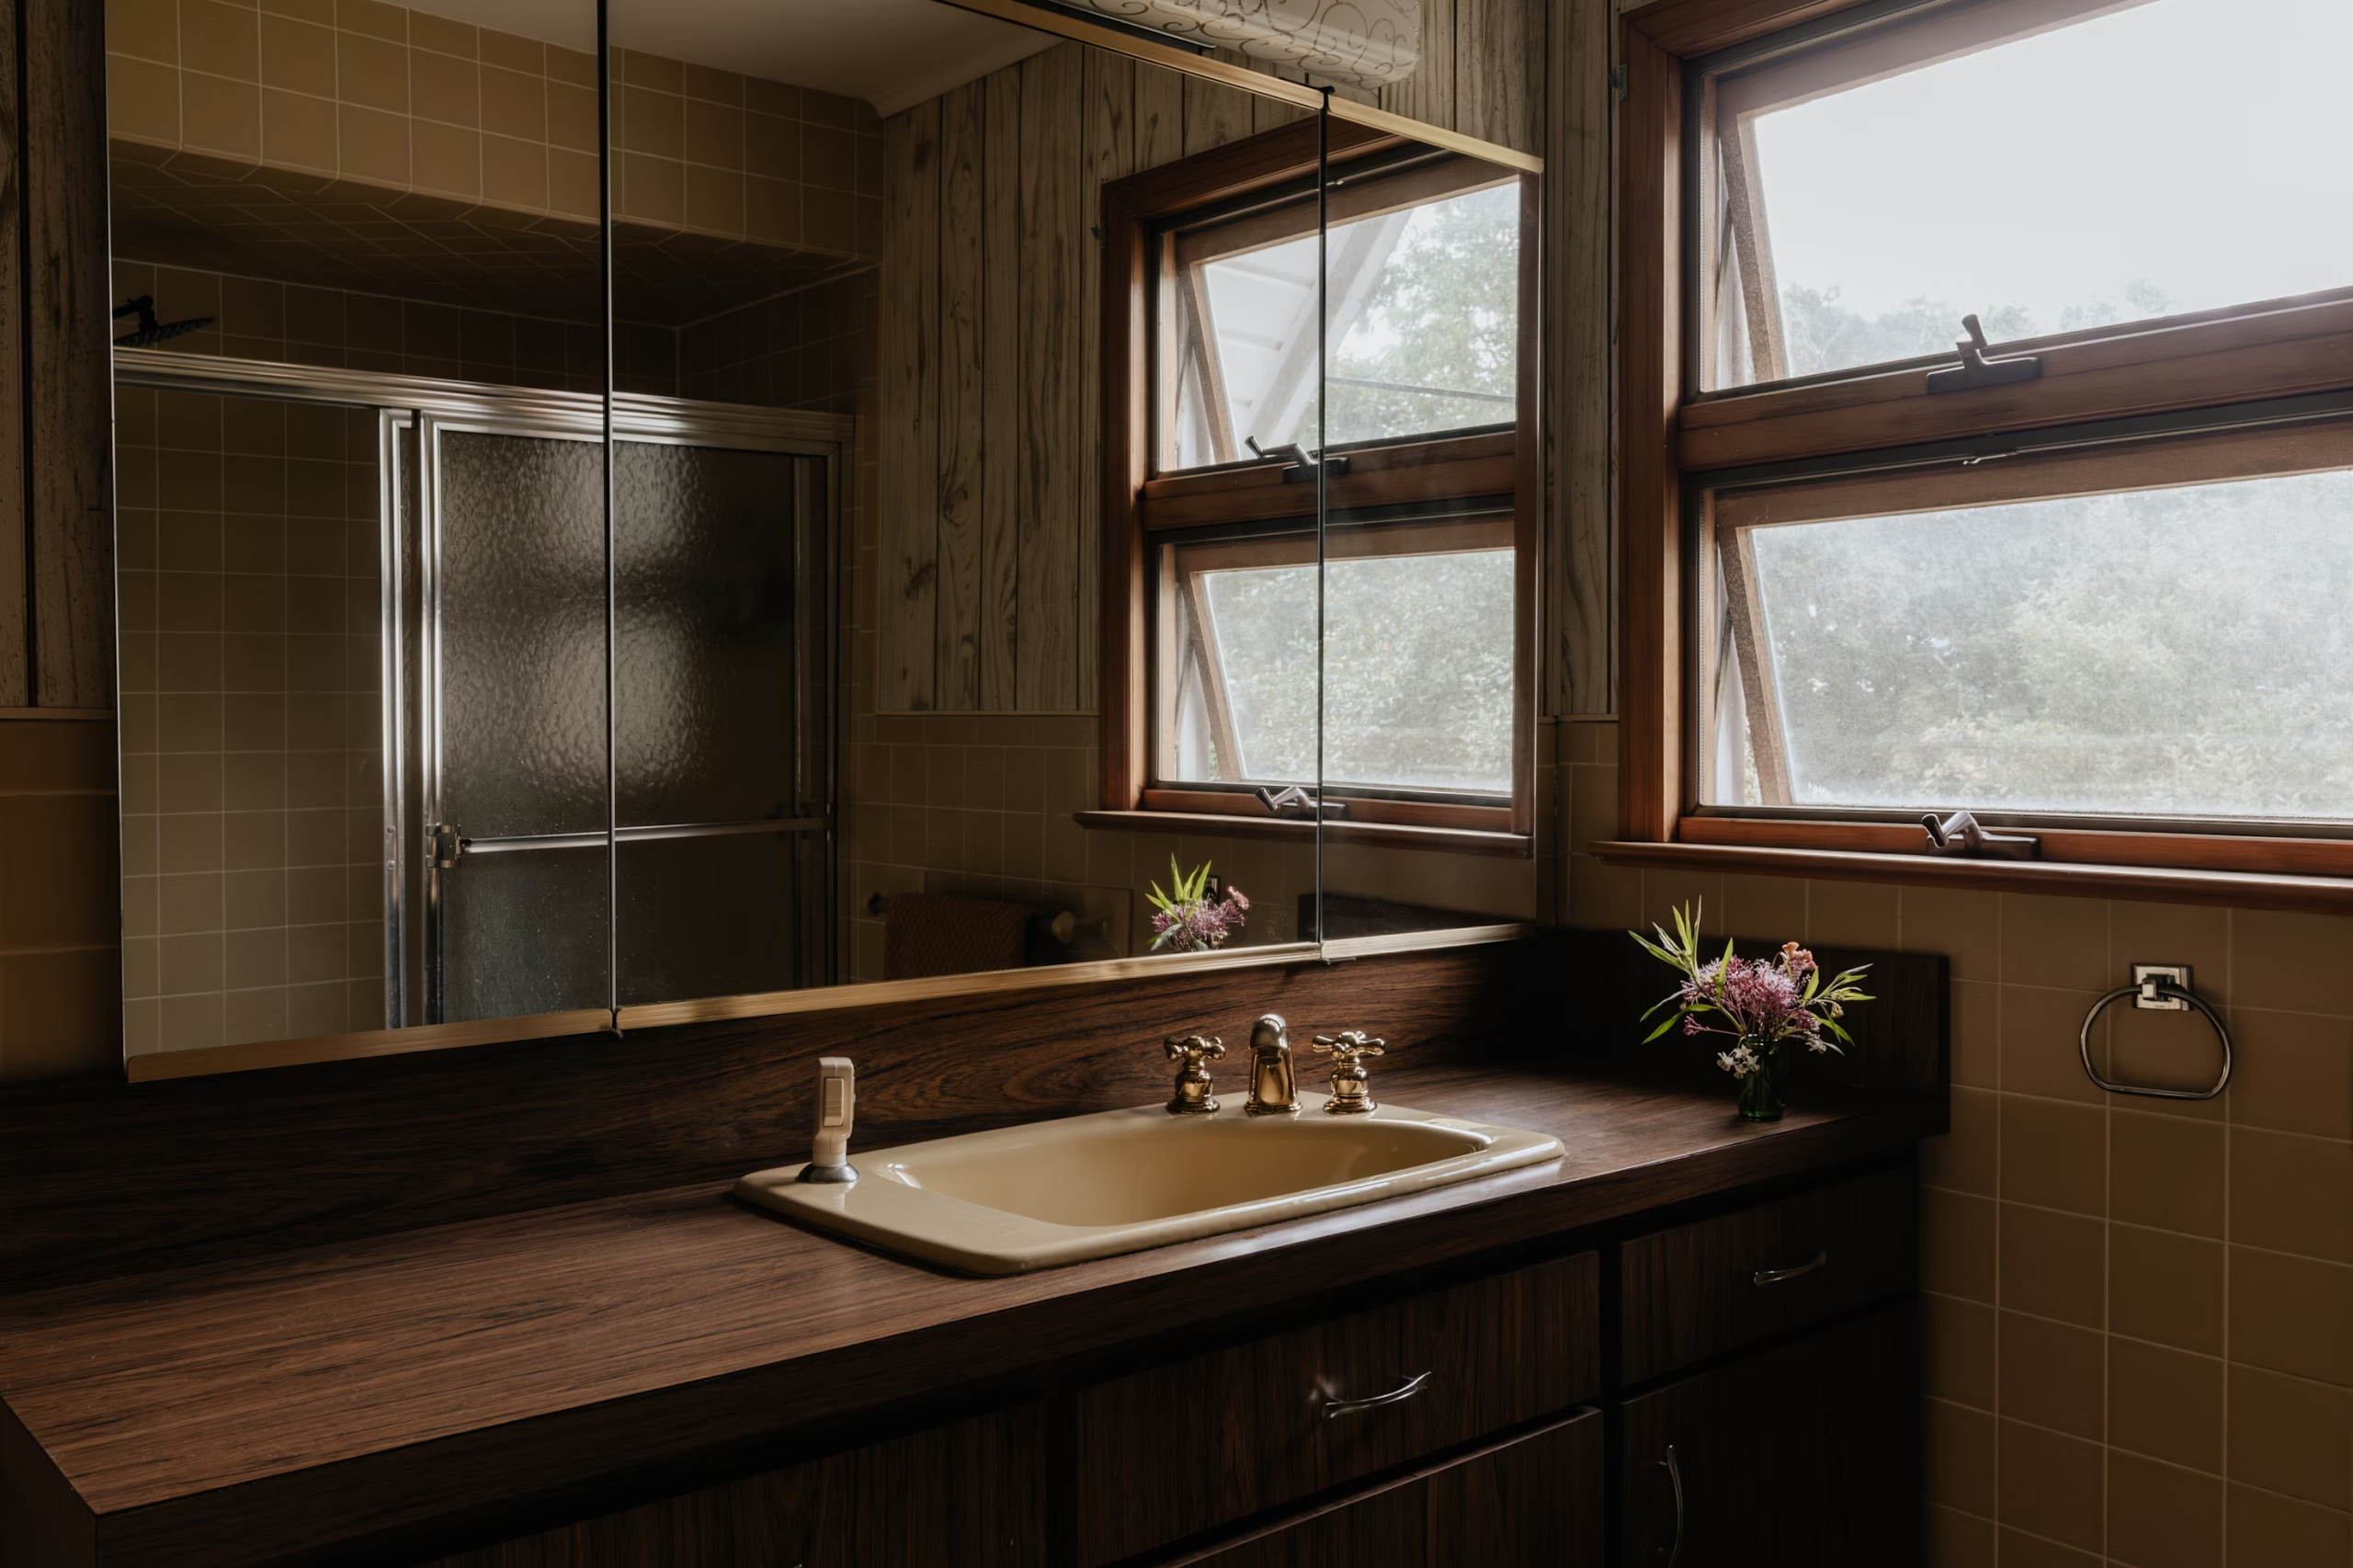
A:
(1351, 1089)
(1191, 1096)
(1274, 1086)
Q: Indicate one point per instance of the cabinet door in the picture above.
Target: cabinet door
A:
(1806, 1454)
(969, 1492)
(1534, 1500)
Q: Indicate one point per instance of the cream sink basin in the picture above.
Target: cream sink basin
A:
(1055, 1192)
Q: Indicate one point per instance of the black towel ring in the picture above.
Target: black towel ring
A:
(2151, 991)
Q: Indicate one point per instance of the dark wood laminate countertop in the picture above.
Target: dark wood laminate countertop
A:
(288, 1404)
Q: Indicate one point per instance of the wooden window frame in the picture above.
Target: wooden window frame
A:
(1670, 436)
(1499, 470)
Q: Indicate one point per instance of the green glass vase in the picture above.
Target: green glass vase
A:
(1760, 1092)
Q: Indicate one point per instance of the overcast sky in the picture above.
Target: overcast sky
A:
(2205, 146)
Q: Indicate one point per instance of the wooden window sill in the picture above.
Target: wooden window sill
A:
(2163, 884)
(1393, 835)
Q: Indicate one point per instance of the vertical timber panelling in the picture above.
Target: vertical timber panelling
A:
(68, 437)
(1051, 428)
(1499, 72)
(1214, 115)
(962, 444)
(1109, 148)
(1578, 654)
(909, 558)
(1000, 584)
(15, 631)
(1428, 94)
(1160, 117)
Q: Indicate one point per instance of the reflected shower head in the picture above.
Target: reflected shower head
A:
(150, 331)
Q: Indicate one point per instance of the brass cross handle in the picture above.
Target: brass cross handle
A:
(1192, 1048)
(1192, 1096)
(1347, 1045)
(1351, 1088)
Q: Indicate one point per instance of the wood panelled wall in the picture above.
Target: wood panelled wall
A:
(56, 385)
(988, 526)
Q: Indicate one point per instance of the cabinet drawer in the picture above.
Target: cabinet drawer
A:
(1715, 1285)
(1536, 1499)
(1168, 1453)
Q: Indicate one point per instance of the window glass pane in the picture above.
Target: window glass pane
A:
(2175, 652)
(1425, 321)
(1418, 671)
(1264, 625)
(2166, 157)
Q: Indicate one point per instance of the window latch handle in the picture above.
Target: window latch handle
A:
(1295, 802)
(1976, 370)
(1304, 468)
(1963, 834)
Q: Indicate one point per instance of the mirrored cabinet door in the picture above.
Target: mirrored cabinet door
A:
(360, 388)
(858, 563)
(1432, 767)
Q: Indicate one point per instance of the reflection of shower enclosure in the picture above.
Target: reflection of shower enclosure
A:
(721, 767)
(492, 618)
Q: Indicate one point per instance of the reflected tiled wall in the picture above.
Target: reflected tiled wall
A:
(253, 804)
(255, 318)
(2140, 1312)
(715, 153)
(59, 997)
(361, 90)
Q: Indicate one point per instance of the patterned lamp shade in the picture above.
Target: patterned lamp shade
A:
(1365, 43)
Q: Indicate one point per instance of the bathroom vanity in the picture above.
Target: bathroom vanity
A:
(1686, 1330)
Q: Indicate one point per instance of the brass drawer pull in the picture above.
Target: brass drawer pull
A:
(1775, 1275)
(1336, 1408)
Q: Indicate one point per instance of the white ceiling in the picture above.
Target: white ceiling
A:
(892, 54)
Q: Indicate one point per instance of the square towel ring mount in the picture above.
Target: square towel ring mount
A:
(2157, 988)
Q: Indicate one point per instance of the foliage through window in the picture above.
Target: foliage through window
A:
(2052, 167)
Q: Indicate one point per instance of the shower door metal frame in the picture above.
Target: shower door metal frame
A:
(428, 403)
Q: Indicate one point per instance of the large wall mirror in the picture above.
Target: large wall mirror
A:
(543, 605)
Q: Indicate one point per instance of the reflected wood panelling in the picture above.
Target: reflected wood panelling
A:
(909, 556)
(72, 400)
(14, 648)
(1052, 164)
(990, 542)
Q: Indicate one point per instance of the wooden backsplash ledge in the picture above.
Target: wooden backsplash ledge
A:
(104, 1178)
(99, 1179)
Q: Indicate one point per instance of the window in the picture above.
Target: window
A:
(2084, 585)
(2052, 167)
(1404, 648)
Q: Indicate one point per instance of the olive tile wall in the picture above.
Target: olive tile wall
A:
(253, 892)
(2140, 1312)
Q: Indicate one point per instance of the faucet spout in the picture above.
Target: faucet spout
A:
(1274, 1083)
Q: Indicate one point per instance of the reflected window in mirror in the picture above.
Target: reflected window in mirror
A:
(1386, 670)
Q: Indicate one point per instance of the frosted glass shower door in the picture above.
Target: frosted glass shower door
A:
(513, 744)
(721, 686)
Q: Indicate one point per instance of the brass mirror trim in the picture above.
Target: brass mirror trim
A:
(212, 1060)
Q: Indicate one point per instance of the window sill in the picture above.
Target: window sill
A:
(1392, 836)
(2242, 889)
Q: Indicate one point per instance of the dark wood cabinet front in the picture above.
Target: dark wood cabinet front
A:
(1536, 1500)
(1169, 1453)
(970, 1492)
(1804, 1455)
(1714, 1285)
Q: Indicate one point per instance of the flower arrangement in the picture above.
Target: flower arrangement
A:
(1188, 920)
(1760, 1003)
